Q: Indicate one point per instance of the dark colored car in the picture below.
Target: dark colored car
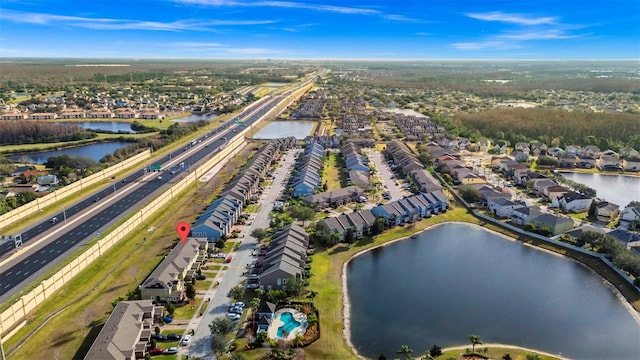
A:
(201, 277)
(159, 337)
(173, 337)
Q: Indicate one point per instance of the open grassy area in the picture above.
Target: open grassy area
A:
(496, 352)
(187, 311)
(77, 313)
(331, 173)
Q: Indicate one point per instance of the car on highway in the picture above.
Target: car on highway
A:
(159, 177)
(185, 341)
(53, 220)
(170, 351)
(96, 199)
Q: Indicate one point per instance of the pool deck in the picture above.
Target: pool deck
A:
(272, 332)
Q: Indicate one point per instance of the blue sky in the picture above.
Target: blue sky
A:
(321, 29)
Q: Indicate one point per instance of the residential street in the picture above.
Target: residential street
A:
(219, 302)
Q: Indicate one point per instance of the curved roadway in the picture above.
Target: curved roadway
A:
(86, 218)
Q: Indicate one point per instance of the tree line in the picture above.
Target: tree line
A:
(35, 132)
(556, 127)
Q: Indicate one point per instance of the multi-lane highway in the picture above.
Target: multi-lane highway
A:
(87, 218)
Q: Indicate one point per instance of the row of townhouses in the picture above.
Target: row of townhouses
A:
(220, 216)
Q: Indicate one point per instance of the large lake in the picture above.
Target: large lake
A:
(93, 151)
(457, 279)
(618, 189)
(278, 129)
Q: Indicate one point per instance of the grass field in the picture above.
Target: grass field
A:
(331, 173)
(77, 313)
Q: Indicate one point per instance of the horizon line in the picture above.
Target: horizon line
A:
(2, 58)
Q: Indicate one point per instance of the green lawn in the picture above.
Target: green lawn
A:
(331, 174)
(187, 311)
(252, 208)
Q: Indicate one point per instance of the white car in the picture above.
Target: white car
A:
(233, 316)
(185, 340)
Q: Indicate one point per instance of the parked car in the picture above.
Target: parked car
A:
(159, 337)
(253, 277)
(239, 304)
(252, 286)
(233, 316)
(155, 351)
(201, 277)
(173, 337)
(235, 310)
(185, 340)
(228, 260)
(167, 319)
(170, 351)
(218, 256)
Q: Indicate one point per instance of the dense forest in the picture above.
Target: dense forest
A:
(556, 127)
(35, 132)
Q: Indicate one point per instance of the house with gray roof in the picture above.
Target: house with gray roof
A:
(556, 223)
(166, 282)
(285, 258)
(127, 331)
(503, 207)
(424, 180)
(335, 198)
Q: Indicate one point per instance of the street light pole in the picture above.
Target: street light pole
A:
(2, 348)
(64, 215)
(114, 188)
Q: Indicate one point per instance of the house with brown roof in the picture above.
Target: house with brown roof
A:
(335, 198)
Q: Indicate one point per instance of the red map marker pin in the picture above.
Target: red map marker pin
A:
(183, 230)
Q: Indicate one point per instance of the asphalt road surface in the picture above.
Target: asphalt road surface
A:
(89, 217)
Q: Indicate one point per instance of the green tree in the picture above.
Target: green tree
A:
(190, 291)
(507, 357)
(152, 343)
(435, 351)
(219, 344)
(157, 330)
(405, 351)
(469, 193)
(475, 340)
(170, 308)
(302, 213)
(260, 234)
(236, 293)
(295, 285)
(593, 210)
(533, 356)
(221, 326)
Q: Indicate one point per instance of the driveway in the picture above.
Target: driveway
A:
(235, 275)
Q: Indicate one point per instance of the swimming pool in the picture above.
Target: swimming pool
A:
(288, 323)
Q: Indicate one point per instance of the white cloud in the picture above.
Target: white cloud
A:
(284, 4)
(513, 18)
(538, 35)
(121, 24)
(486, 45)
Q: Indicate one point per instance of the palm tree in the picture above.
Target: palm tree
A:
(406, 351)
(475, 340)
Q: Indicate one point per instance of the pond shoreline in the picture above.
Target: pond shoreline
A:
(347, 304)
